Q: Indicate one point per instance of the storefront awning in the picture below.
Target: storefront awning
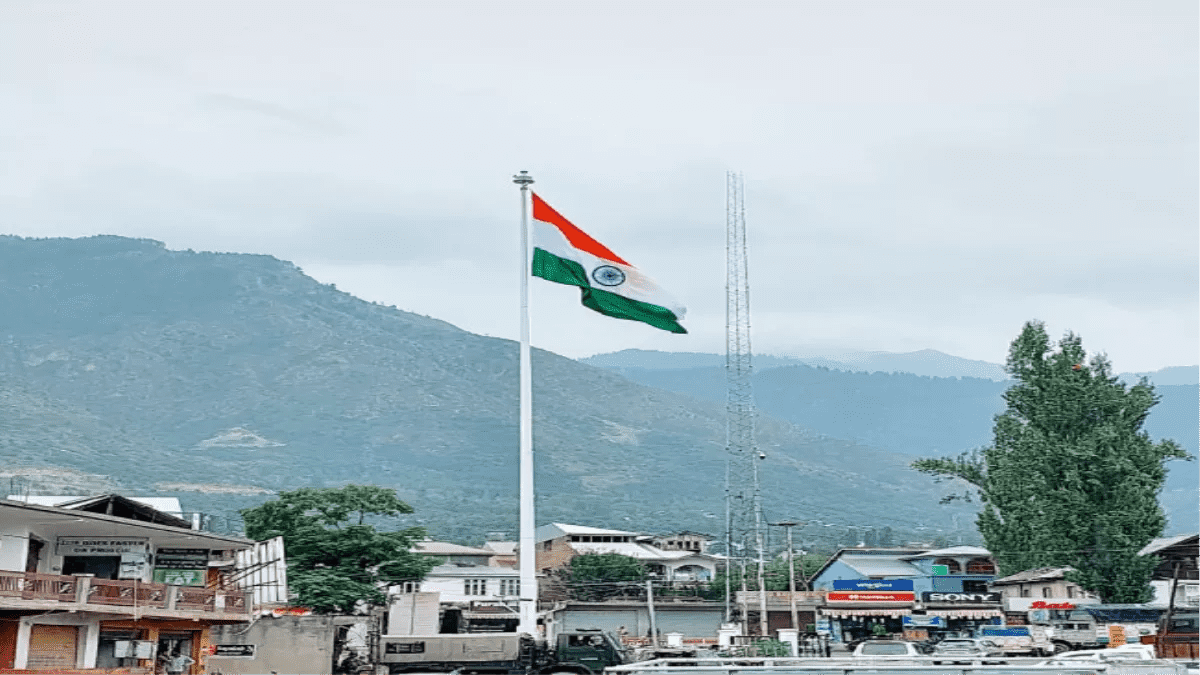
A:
(498, 616)
(964, 613)
(851, 612)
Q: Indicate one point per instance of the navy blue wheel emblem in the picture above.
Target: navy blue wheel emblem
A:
(607, 275)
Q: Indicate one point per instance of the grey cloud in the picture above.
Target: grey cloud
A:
(292, 116)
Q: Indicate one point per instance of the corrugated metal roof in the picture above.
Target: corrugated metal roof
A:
(168, 505)
(1037, 574)
(878, 566)
(1160, 543)
(556, 530)
(950, 552)
(502, 547)
(445, 548)
(633, 550)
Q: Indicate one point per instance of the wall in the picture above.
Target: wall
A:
(451, 587)
(413, 614)
(692, 621)
(553, 553)
(297, 645)
(836, 570)
(1162, 593)
(13, 543)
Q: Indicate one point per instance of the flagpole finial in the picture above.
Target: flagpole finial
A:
(523, 179)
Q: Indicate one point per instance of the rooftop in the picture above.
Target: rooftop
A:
(556, 530)
(951, 552)
(446, 548)
(876, 566)
(1161, 543)
(1034, 575)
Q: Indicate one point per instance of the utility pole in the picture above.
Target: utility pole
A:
(650, 611)
(788, 525)
(742, 494)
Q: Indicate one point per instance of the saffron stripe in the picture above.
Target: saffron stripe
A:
(578, 238)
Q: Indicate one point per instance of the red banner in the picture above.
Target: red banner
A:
(1042, 604)
(870, 596)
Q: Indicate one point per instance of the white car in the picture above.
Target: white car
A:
(886, 649)
(964, 650)
(1122, 654)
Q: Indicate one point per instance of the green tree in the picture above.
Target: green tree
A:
(597, 576)
(1070, 477)
(775, 575)
(337, 559)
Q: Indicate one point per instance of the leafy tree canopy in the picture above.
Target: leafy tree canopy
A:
(596, 576)
(1071, 478)
(337, 559)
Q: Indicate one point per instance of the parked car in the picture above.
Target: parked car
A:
(886, 650)
(965, 650)
(1124, 653)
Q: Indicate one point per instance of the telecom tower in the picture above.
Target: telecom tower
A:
(744, 526)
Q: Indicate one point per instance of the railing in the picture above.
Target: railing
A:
(85, 590)
(127, 593)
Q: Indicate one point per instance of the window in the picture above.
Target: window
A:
(510, 587)
(974, 586)
(1045, 591)
(474, 586)
(951, 565)
(410, 587)
(1070, 591)
(547, 545)
(980, 566)
(1024, 591)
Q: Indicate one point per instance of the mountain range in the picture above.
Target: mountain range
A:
(222, 378)
(913, 414)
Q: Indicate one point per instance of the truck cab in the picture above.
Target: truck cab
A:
(585, 651)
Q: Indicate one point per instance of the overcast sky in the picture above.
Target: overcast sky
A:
(918, 174)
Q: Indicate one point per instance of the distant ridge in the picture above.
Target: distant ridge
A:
(925, 362)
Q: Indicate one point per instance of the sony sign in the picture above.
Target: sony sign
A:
(960, 598)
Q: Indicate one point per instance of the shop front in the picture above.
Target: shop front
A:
(862, 608)
(957, 614)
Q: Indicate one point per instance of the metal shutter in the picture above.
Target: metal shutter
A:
(52, 647)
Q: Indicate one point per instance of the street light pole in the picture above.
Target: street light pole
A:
(788, 525)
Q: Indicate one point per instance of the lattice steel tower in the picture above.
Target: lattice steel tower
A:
(744, 531)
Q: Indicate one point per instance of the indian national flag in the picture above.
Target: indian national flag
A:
(566, 254)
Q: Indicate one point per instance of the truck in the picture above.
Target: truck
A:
(1178, 636)
(1087, 626)
(1017, 640)
(578, 652)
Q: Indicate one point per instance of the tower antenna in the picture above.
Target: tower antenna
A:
(743, 508)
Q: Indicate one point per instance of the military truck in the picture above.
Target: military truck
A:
(579, 652)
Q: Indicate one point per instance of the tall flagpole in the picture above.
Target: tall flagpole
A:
(526, 549)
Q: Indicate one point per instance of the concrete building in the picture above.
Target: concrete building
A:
(1177, 570)
(110, 582)
(558, 543)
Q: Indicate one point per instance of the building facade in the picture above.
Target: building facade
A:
(110, 582)
(906, 592)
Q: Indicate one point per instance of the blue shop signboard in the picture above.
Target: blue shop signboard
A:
(924, 621)
(872, 584)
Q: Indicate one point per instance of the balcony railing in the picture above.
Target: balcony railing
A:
(83, 591)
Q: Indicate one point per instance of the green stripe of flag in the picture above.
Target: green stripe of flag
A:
(565, 271)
